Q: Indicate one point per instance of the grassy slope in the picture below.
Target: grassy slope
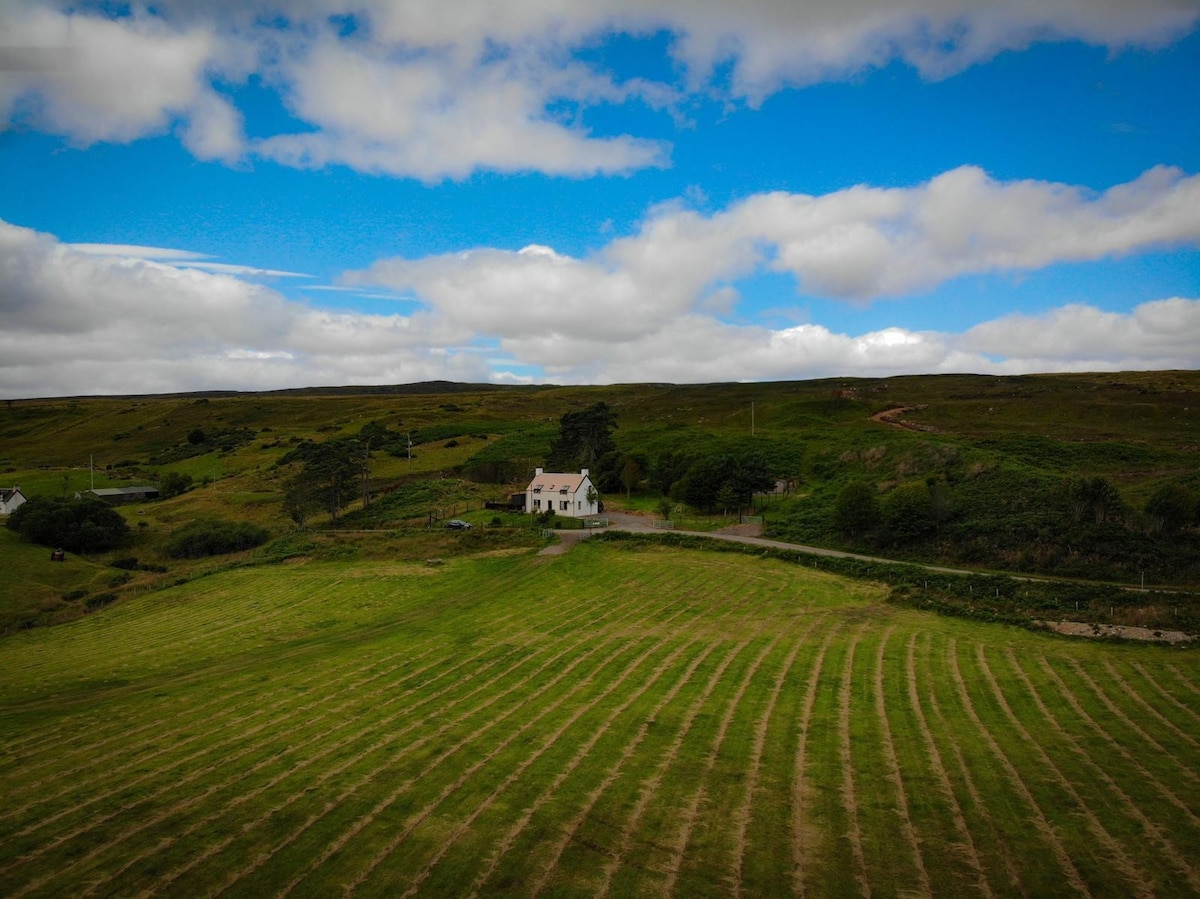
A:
(1140, 430)
(635, 720)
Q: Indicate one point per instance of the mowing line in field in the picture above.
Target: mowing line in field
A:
(935, 759)
(1161, 691)
(611, 776)
(1123, 862)
(741, 818)
(391, 738)
(223, 761)
(894, 774)
(1165, 792)
(357, 732)
(214, 848)
(980, 807)
(648, 787)
(227, 703)
(1120, 715)
(849, 798)
(693, 810)
(520, 769)
(252, 696)
(1184, 681)
(417, 819)
(365, 820)
(1039, 819)
(631, 606)
(798, 783)
(582, 753)
(1150, 710)
(1130, 807)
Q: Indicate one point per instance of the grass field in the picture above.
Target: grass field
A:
(614, 721)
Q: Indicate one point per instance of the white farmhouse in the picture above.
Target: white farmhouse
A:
(566, 494)
(10, 500)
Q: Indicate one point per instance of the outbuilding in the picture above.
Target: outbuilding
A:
(118, 495)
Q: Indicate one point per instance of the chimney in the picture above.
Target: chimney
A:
(583, 471)
(537, 472)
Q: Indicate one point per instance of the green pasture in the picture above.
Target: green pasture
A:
(619, 720)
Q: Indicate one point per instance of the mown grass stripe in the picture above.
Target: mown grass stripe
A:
(529, 760)
(1144, 774)
(364, 821)
(1165, 694)
(223, 761)
(744, 811)
(1150, 710)
(691, 813)
(1014, 776)
(1119, 713)
(799, 797)
(631, 607)
(504, 845)
(648, 787)
(356, 732)
(1128, 806)
(967, 843)
(1136, 878)
(849, 798)
(978, 807)
(895, 776)
(389, 739)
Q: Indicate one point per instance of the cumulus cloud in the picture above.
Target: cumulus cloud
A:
(857, 244)
(434, 90)
(85, 319)
(865, 242)
(118, 79)
(88, 321)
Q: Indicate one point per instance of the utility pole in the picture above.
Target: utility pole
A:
(752, 419)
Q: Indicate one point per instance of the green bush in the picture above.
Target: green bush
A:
(214, 537)
(79, 526)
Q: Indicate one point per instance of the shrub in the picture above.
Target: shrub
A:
(129, 563)
(79, 526)
(214, 537)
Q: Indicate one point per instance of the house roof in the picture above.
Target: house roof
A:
(123, 491)
(554, 482)
(7, 493)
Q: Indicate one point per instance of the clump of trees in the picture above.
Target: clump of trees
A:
(584, 438)
(214, 537)
(332, 473)
(76, 525)
(173, 483)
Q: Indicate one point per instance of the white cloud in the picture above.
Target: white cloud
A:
(1159, 334)
(118, 79)
(75, 322)
(434, 90)
(869, 242)
(856, 244)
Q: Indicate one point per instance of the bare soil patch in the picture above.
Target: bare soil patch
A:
(1124, 631)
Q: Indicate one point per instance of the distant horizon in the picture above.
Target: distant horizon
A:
(212, 198)
(466, 386)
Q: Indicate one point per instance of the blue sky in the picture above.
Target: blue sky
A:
(260, 195)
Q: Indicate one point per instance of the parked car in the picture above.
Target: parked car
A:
(457, 524)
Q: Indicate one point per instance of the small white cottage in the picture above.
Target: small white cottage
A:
(566, 494)
(10, 500)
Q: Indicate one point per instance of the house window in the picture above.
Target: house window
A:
(537, 503)
(564, 505)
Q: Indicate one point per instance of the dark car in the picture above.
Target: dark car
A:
(457, 524)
